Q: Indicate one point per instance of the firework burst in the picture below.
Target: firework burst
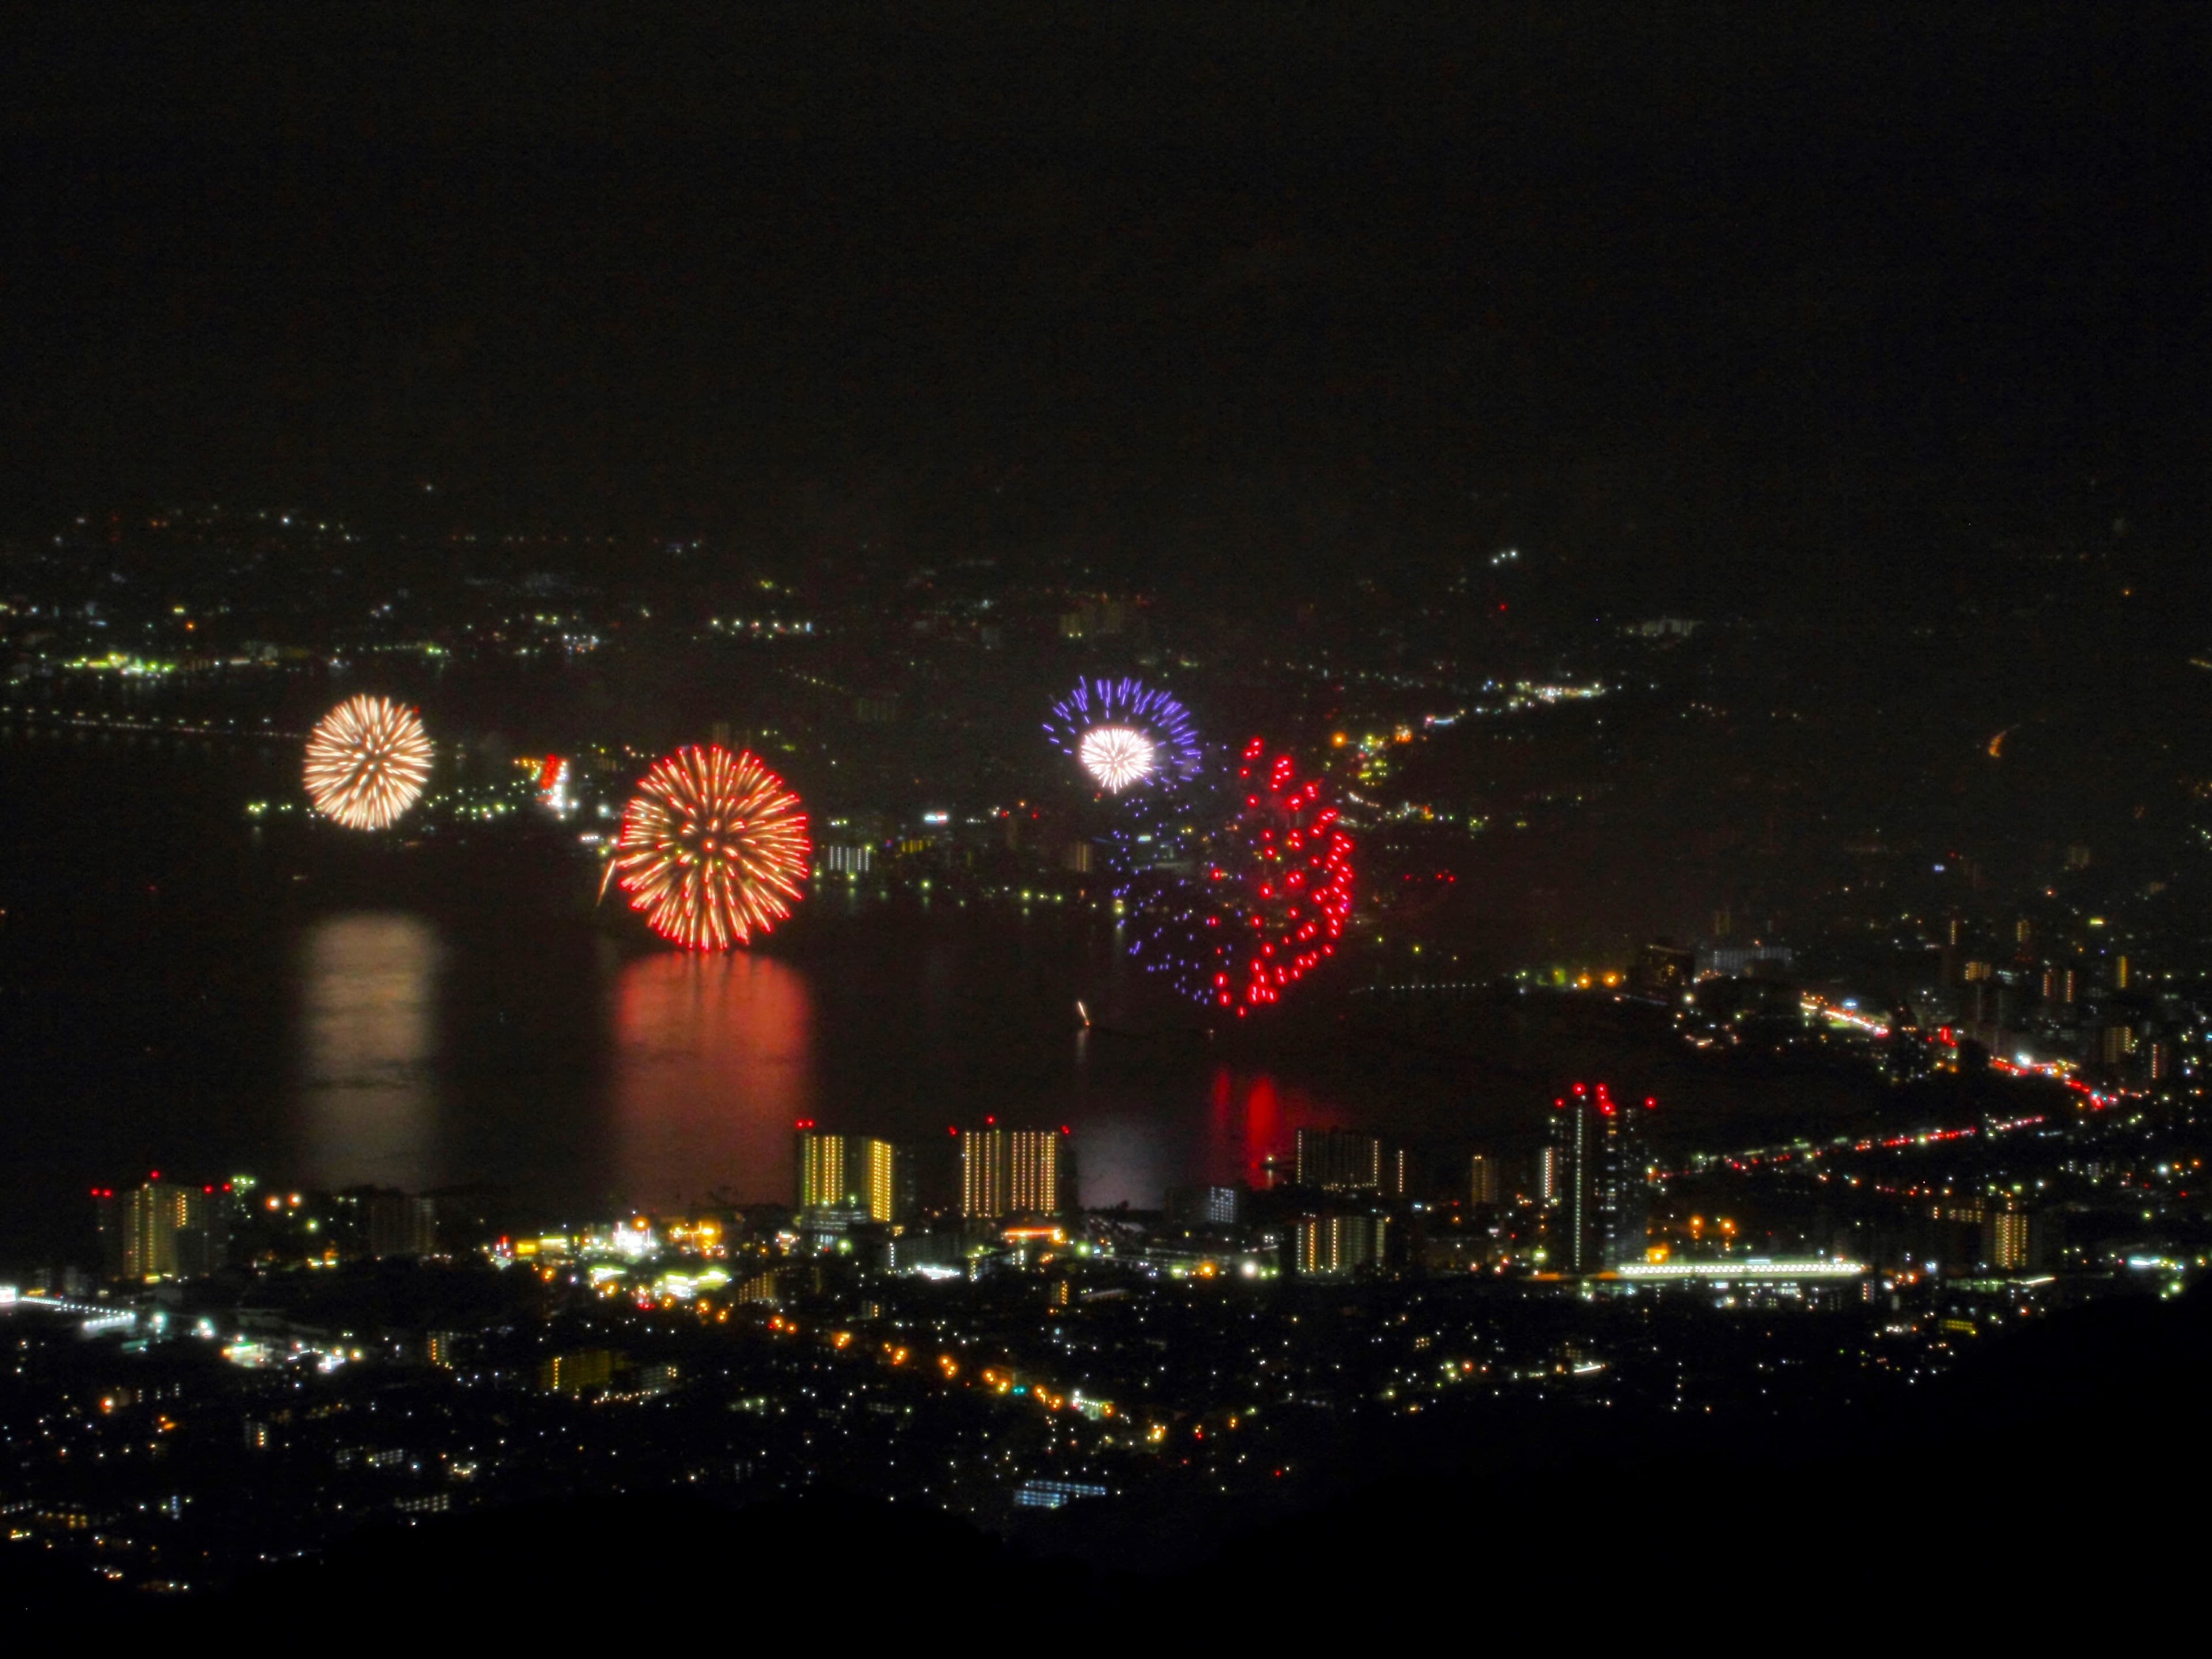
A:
(1123, 733)
(1116, 756)
(1269, 899)
(367, 763)
(712, 848)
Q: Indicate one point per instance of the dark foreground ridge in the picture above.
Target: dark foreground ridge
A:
(2069, 1446)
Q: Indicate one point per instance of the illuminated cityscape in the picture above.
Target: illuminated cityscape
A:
(1022, 813)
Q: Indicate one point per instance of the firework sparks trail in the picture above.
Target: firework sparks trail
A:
(367, 760)
(1270, 899)
(712, 848)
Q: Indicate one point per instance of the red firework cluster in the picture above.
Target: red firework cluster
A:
(1281, 884)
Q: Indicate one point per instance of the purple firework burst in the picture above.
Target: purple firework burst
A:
(1123, 733)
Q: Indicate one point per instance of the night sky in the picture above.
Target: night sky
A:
(1719, 284)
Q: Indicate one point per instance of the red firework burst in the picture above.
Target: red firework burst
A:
(1278, 886)
(712, 848)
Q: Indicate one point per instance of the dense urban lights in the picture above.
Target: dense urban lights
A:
(367, 760)
(712, 850)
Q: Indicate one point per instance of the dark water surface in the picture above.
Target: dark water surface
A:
(181, 990)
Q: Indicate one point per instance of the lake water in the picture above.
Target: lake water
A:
(182, 991)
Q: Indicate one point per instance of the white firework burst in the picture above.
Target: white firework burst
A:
(1116, 756)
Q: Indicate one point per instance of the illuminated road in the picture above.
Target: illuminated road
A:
(2057, 1071)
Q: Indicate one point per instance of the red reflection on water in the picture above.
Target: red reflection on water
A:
(714, 1061)
(1251, 1118)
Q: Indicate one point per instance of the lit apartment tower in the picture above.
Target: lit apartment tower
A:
(400, 1224)
(1598, 1169)
(1487, 1181)
(1204, 1207)
(1337, 1246)
(847, 1172)
(162, 1230)
(2007, 1239)
(1034, 1166)
(1012, 1172)
(1338, 1161)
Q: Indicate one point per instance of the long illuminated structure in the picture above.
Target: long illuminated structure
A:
(1753, 1268)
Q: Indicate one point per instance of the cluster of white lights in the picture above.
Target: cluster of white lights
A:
(1756, 1267)
(1115, 755)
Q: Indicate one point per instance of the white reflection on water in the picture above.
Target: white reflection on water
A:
(714, 1064)
(368, 1097)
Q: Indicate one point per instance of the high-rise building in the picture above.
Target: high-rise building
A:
(1338, 1246)
(162, 1230)
(1598, 1164)
(1486, 1181)
(985, 1184)
(1013, 1172)
(2006, 1234)
(1339, 1161)
(1206, 1207)
(2158, 1062)
(847, 1172)
(1034, 1166)
(1549, 1182)
(402, 1226)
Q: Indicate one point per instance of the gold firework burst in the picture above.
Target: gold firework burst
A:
(367, 762)
(712, 848)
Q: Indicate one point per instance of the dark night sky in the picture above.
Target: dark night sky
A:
(580, 267)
